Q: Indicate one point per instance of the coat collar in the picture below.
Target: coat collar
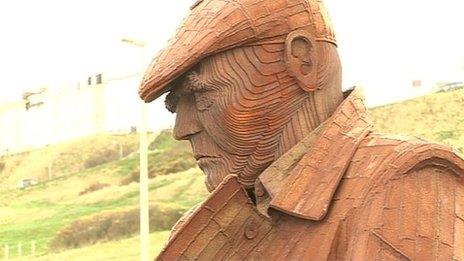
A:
(303, 181)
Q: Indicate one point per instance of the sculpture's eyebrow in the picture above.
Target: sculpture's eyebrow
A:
(171, 101)
(193, 83)
(185, 85)
(179, 87)
(177, 90)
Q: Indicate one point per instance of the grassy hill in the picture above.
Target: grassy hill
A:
(125, 249)
(437, 117)
(40, 212)
(64, 158)
(92, 185)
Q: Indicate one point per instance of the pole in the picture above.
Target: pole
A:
(7, 252)
(143, 153)
(33, 248)
(49, 171)
(20, 249)
(144, 215)
(121, 154)
(144, 201)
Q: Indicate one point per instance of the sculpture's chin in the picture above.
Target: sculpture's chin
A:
(213, 180)
(210, 187)
(214, 171)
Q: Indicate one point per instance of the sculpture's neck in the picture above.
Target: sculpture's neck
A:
(316, 109)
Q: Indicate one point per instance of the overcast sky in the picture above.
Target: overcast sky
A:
(384, 45)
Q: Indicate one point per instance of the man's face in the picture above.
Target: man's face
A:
(232, 108)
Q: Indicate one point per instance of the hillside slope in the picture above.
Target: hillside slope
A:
(437, 117)
(64, 158)
(40, 212)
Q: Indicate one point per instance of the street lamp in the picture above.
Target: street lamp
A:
(143, 153)
(133, 42)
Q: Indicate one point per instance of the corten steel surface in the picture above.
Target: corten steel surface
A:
(217, 25)
(294, 169)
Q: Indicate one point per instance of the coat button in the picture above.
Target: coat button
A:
(251, 230)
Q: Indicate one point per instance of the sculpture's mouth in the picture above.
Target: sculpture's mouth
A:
(206, 161)
(199, 157)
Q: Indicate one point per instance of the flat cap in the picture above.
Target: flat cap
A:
(214, 26)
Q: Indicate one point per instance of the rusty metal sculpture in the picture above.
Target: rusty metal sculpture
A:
(294, 169)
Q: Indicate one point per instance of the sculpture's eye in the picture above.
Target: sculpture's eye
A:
(203, 100)
(203, 92)
(194, 84)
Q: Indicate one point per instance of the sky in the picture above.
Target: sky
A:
(384, 45)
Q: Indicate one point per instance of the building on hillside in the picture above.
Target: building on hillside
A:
(25, 183)
(51, 115)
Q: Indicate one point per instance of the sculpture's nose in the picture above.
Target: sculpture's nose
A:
(187, 123)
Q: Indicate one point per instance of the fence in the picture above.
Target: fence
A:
(19, 250)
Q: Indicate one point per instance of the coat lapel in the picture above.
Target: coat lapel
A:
(309, 174)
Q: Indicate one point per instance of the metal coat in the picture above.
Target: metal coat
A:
(383, 198)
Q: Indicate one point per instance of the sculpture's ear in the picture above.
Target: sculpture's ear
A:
(301, 59)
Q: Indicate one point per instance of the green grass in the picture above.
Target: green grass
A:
(43, 230)
(53, 216)
(121, 250)
(436, 117)
(40, 212)
(163, 141)
(64, 158)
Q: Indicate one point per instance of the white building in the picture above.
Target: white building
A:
(88, 108)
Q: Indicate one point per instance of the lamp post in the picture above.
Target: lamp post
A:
(143, 153)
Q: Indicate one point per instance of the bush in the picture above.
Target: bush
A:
(178, 158)
(93, 187)
(101, 157)
(174, 159)
(133, 177)
(163, 141)
(114, 225)
(2, 166)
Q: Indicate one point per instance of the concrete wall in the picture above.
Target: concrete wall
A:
(72, 112)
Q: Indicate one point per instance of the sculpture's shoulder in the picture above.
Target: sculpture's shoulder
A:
(412, 207)
(391, 156)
